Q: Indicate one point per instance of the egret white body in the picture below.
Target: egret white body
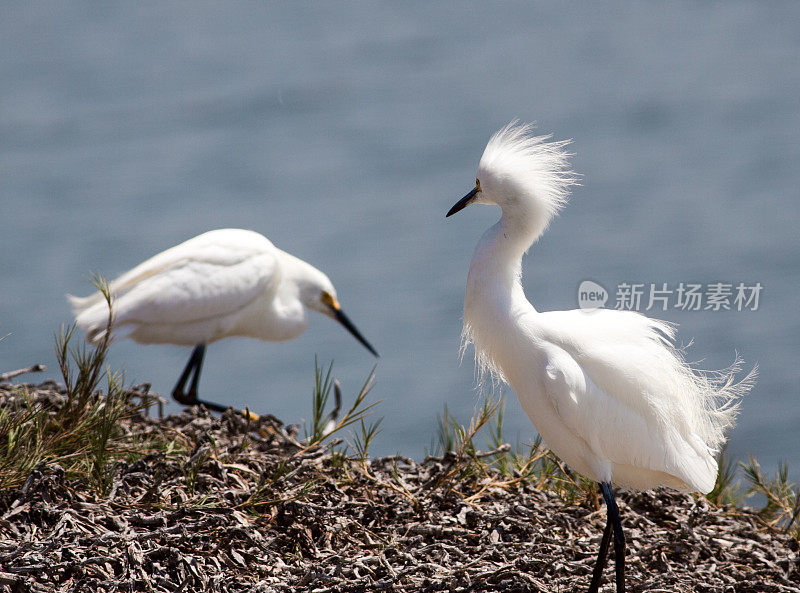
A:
(223, 283)
(606, 389)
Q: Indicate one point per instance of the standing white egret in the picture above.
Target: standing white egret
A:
(223, 283)
(605, 389)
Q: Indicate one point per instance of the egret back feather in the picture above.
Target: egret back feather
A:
(209, 277)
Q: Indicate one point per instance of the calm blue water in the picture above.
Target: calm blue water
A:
(344, 133)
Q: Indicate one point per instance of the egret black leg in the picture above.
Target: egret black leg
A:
(602, 557)
(178, 392)
(200, 352)
(619, 536)
(193, 368)
(613, 524)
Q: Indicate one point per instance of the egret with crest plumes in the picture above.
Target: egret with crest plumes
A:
(606, 389)
(223, 283)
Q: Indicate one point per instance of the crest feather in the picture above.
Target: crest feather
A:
(537, 166)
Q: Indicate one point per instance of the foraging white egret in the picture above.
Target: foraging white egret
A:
(223, 283)
(605, 389)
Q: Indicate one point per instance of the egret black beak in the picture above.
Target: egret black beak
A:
(348, 325)
(464, 202)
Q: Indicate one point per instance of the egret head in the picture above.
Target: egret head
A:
(317, 293)
(526, 175)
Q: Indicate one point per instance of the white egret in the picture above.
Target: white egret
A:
(605, 389)
(223, 283)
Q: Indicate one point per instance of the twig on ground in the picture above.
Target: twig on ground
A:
(37, 368)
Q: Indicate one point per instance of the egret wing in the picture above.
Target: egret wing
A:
(213, 274)
(198, 289)
(608, 426)
(611, 379)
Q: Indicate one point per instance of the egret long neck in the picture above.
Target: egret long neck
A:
(494, 300)
(496, 267)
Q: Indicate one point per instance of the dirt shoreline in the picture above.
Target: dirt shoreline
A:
(244, 508)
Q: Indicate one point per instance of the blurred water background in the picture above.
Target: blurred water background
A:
(344, 132)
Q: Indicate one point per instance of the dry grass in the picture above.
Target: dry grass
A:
(83, 434)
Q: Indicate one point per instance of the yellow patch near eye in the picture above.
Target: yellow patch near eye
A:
(328, 299)
(477, 184)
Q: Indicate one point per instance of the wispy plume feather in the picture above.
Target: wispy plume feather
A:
(538, 166)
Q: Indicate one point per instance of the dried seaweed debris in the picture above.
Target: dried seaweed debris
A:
(239, 505)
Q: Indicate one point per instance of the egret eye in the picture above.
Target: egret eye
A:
(478, 183)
